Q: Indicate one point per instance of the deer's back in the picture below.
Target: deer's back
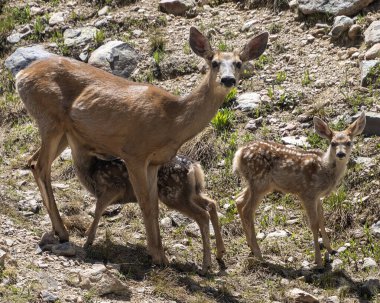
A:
(283, 168)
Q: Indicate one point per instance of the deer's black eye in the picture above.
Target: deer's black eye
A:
(334, 144)
(215, 63)
(238, 64)
(348, 143)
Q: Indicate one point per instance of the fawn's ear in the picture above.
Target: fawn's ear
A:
(322, 129)
(357, 126)
(200, 44)
(255, 47)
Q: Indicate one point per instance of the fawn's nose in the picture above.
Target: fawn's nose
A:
(228, 81)
(341, 155)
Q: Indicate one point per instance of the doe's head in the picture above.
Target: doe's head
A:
(227, 66)
(340, 141)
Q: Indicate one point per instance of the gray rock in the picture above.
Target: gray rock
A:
(355, 32)
(178, 7)
(3, 255)
(370, 71)
(103, 11)
(79, 36)
(278, 234)
(116, 57)
(372, 126)
(375, 229)
(333, 7)
(369, 263)
(296, 141)
(337, 264)
(248, 101)
(64, 249)
(192, 230)
(248, 25)
(23, 56)
(333, 299)
(372, 33)
(373, 52)
(48, 296)
(29, 205)
(57, 18)
(179, 220)
(166, 222)
(16, 37)
(300, 296)
(370, 287)
(341, 25)
(66, 154)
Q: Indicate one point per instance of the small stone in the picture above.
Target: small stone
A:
(373, 52)
(179, 246)
(354, 32)
(260, 236)
(337, 264)
(296, 141)
(166, 222)
(178, 7)
(103, 11)
(248, 25)
(375, 229)
(341, 249)
(14, 38)
(64, 249)
(57, 18)
(79, 36)
(333, 299)
(248, 101)
(340, 26)
(48, 297)
(300, 296)
(369, 263)
(278, 234)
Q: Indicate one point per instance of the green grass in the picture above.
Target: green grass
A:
(156, 42)
(306, 79)
(275, 28)
(262, 61)
(230, 98)
(99, 37)
(316, 141)
(280, 77)
(223, 120)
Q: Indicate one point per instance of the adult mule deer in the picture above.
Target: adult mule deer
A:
(311, 175)
(77, 104)
(180, 187)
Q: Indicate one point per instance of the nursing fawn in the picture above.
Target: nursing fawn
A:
(311, 175)
(180, 187)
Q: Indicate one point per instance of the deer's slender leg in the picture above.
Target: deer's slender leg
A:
(42, 174)
(101, 204)
(62, 145)
(247, 213)
(310, 206)
(220, 249)
(325, 237)
(144, 182)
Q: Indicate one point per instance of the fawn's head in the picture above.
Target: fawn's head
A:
(226, 66)
(340, 141)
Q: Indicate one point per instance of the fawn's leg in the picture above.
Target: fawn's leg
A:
(247, 206)
(325, 237)
(310, 206)
(220, 249)
(102, 203)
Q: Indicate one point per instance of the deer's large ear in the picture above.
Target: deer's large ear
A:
(357, 126)
(255, 47)
(200, 44)
(322, 129)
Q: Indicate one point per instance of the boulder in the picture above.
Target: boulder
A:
(375, 228)
(372, 127)
(178, 7)
(116, 57)
(340, 26)
(372, 33)
(370, 71)
(332, 7)
(23, 56)
(79, 36)
(373, 52)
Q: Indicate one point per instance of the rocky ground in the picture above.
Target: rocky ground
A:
(315, 64)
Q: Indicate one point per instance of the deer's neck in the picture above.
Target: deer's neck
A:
(200, 106)
(336, 168)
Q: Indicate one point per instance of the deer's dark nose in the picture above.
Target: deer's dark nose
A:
(341, 155)
(228, 81)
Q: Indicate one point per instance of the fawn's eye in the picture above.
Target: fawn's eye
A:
(348, 143)
(334, 144)
(238, 64)
(215, 63)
